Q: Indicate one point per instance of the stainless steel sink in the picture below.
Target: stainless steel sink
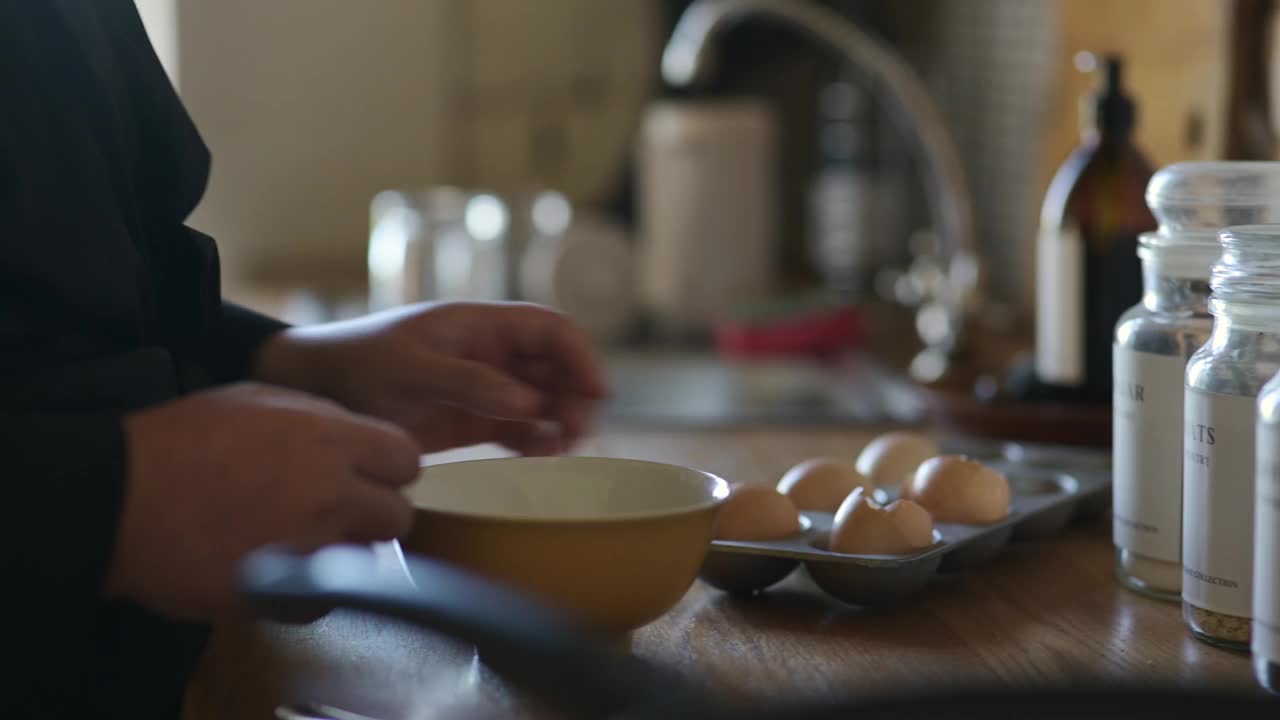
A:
(687, 388)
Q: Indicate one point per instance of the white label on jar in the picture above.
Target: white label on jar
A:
(1266, 565)
(1060, 306)
(1147, 457)
(1217, 502)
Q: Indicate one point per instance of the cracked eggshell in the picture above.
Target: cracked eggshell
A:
(955, 489)
(822, 483)
(757, 512)
(892, 458)
(863, 527)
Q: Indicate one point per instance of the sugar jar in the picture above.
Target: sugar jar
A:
(1222, 384)
(1266, 543)
(1153, 340)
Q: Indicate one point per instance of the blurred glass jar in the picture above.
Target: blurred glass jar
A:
(450, 244)
(580, 264)
(442, 243)
(1266, 542)
(1153, 341)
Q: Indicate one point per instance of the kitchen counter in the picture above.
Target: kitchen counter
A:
(1039, 612)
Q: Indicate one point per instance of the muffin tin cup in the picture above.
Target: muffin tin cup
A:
(869, 584)
(978, 550)
(744, 574)
(1047, 494)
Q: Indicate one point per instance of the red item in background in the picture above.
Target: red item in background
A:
(822, 332)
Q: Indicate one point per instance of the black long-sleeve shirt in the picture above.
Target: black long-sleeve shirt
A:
(108, 303)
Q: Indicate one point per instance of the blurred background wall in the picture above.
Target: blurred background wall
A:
(312, 106)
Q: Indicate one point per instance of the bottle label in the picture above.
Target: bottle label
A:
(1217, 502)
(843, 203)
(1266, 545)
(1147, 459)
(1060, 306)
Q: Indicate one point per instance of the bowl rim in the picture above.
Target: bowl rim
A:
(718, 495)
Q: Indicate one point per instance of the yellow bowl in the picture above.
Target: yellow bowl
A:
(614, 543)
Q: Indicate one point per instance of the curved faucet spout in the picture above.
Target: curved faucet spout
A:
(685, 62)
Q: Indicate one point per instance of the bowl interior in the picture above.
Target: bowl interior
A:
(565, 489)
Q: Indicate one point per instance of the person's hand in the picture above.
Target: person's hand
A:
(217, 474)
(453, 374)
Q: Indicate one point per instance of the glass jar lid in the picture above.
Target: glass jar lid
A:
(1178, 256)
(1248, 270)
(1196, 199)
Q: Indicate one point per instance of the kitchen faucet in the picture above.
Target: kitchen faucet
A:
(685, 62)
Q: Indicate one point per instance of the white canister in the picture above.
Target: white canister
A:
(706, 209)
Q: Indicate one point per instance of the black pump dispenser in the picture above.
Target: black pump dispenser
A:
(1113, 111)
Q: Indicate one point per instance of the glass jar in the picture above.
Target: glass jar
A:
(442, 243)
(1154, 339)
(1152, 344)
(1222, 384)
(1266, 541)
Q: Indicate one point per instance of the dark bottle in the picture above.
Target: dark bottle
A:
(1088, 272)
(1250, 133)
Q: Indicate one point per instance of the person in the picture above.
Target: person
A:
(152, 434)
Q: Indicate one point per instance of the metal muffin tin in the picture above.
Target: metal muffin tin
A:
(1051, 486)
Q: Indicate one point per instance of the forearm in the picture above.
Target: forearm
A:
(313, 359)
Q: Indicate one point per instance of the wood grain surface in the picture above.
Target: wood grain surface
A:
(1040, 612)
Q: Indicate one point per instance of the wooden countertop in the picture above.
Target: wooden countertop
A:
(1039, 612)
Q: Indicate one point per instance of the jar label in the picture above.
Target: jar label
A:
(1217, 502)
(1060, 306)
(1266, 566)
(1146, 454)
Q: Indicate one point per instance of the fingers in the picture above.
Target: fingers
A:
(381, 452)
(375, 513)
(478, 388)
(551, 336)
(527, 438)
(565, 364)
(574, 413)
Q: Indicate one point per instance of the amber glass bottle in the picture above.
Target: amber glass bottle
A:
(1088, 272)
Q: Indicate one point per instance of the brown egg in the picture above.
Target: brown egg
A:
(821, 483)
(904, 492)
(755, 512)
(893, 457)
(863, 527)
(955, 489)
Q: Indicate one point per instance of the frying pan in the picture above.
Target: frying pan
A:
(545, 655)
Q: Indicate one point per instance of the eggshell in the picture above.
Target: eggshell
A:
(821, 483)
(893, 457)
(955, 489)
(755, 512)
(904, 492)
(863, 527)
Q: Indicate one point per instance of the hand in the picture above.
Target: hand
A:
(453, 374)
(217, 474)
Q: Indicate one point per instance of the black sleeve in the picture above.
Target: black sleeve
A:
(103, 299)
(242, 334)
(70, 513)
(64, 489)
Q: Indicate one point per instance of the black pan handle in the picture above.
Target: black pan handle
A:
(534, 648)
